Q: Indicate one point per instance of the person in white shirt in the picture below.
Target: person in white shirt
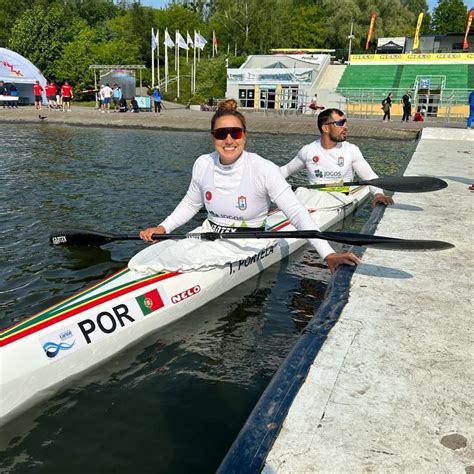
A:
(106, 96)
(236, 187)
(332, 159)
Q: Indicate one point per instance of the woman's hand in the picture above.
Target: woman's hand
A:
(333, 260)
(147, 234)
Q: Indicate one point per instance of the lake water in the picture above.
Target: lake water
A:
(175, 402)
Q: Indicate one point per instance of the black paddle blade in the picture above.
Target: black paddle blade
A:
(410, 184)
(385, 243)
(84, 237)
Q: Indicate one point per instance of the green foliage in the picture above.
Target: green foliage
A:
(42, 33)
(307, 28)
(449, 17)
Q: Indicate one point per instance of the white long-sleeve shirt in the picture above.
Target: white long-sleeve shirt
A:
(239, 195)
(329, 166)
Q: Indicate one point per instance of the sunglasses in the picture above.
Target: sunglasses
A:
(234, 132)
(338, 123)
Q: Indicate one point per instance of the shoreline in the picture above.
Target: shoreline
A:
(176, 117)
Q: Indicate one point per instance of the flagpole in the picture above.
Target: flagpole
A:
(152, 59)
(177, 64)
(166, 62)
(175, 49)
(187, 44)
(194, 63)
(158, 55)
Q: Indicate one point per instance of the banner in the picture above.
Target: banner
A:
(468, 27)
(426, 58)
(371, 29)
(416, 41)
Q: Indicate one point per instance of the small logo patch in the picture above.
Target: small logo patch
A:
(208, 195)
(340, 161)
(242, 203)
(315, 159)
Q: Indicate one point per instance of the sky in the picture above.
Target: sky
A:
(162, 3)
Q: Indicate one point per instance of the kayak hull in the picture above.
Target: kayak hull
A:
(44, 352)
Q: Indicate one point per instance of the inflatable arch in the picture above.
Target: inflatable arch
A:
(15, 69)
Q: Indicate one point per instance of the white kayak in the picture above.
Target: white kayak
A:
(44, 352)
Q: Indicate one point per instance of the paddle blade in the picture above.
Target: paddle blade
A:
(409, 184)
(385, 243)
(84, 237)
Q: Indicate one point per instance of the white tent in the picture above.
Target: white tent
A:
(15, 69)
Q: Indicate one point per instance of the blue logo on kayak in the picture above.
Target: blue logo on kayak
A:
(52, 349)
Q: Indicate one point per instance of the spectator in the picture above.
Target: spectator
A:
(116, 96)
(406, 101)
(471, 110)
(51, 91)
(419, 116)
(386, 104)
(157, 100)
(123, 105)
(67, 96)
(3, 91)
(135, 107)
(14, 93)
(37, 90)
(313, 105)
(106, 98)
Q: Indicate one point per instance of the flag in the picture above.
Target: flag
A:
(199, 41)
(416, 41)
(154, 41)
(168, 42)
(214, 42)
(150, 302)
(468, 27)
(180, 41)
(189, 40)
(371, 29)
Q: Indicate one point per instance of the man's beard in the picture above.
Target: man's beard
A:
(337, 138)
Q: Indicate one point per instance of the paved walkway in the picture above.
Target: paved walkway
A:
(178, 117)
(391, 389)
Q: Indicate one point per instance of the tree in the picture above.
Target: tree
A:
(417, 7)
(41, 34)
(449, 17)
(307, 28)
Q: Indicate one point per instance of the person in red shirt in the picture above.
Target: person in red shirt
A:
(37, 90)
(67, 96)
(51, 90)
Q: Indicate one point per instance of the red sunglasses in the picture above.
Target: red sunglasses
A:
(234, 132)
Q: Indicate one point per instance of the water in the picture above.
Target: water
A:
(175, 401)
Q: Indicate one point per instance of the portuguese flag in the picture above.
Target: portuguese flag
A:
(150, 302)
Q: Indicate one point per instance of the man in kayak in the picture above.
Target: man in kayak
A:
(332, 159)
(236, 188)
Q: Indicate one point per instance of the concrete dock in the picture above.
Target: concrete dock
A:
(391, 387)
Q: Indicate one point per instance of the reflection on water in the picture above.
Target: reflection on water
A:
(175, 401)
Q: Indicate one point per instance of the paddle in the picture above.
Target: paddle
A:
(87, 237)
(401, 184)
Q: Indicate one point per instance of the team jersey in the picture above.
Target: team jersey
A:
(51, 89)
(66, 90)
(239, 195)
(331, 165)
(37, 89)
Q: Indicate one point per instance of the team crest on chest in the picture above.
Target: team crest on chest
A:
(242, 203)
(340, 161)
(315, 159)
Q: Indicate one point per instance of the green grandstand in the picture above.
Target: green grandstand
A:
(380, 79)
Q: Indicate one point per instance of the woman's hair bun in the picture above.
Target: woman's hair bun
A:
(228, 104)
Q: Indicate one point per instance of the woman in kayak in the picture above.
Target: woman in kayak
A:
(236, 187)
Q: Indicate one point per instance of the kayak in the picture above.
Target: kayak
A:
(44, 352)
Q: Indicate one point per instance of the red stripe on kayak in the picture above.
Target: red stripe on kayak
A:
(84, 307)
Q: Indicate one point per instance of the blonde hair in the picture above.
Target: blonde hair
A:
(226, 108)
